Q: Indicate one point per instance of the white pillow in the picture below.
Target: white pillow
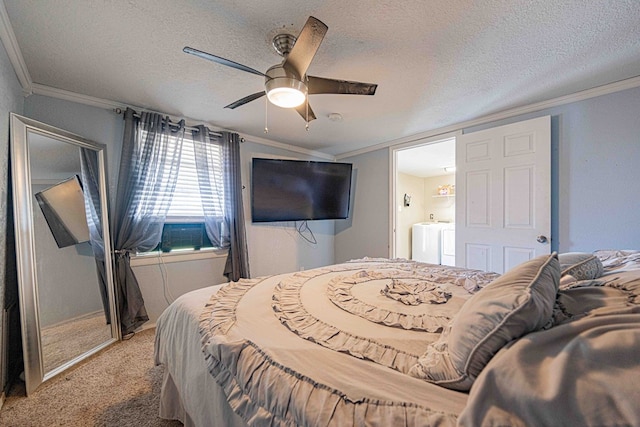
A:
(517, 303)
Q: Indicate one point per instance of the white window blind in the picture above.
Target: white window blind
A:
(186, 204)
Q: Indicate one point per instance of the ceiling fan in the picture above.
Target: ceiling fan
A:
(286, 84)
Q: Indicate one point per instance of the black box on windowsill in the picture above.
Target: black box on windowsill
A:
(183, 236)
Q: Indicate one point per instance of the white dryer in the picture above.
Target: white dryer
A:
(425, 242)
(448, 244)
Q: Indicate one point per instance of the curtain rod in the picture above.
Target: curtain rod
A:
(137, 115)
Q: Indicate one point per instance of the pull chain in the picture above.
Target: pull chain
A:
(266, 109)
(306, 126)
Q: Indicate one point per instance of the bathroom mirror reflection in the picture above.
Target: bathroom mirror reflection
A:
(60, 208)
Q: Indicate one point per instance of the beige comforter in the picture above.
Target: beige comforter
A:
(332, 346)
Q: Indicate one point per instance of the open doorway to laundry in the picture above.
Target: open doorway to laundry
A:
(423, 193)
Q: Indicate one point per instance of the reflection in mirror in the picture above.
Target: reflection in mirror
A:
(66, 291)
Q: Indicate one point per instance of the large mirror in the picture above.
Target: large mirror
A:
(63, 251)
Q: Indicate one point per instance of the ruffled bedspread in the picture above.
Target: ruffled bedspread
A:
(332, 346)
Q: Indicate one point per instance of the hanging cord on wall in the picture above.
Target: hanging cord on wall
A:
(303, 228)
(168, 297)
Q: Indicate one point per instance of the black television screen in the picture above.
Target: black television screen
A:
(63, 208)
(296, 190)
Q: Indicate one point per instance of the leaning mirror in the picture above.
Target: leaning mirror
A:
(67, 303)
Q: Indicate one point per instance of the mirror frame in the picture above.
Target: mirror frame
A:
(20, 127)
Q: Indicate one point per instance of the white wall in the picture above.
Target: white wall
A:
(443, 209)
(406, 216)
(423, 205)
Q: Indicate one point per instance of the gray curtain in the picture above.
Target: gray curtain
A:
(237, 265)
(208, 155)
(218, 163)
(151, 150)
(90, 179)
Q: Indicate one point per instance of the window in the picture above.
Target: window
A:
(186, 204)
(184, 227)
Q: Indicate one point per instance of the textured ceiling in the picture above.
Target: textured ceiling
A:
(437, 63)
(428, 160)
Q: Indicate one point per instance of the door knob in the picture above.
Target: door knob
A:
(542, 239)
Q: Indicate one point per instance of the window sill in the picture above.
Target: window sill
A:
(154, 258)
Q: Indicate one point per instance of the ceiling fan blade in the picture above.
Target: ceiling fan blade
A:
(317, 85)
(306, 46)
(302, 110)
(245, 100)
(220, 60)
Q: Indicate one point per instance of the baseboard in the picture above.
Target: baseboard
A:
(144, 327)
(148, 325)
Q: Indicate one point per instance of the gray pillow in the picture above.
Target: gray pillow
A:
(518, 302)
(582, 266)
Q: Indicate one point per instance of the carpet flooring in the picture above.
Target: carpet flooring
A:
(67, 340)
(120, 386)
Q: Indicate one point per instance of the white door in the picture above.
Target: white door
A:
(503, 202)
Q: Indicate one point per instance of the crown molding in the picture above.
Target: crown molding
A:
(38, 89)
(282, 146)
(538, 106)
(8, 38)
(444, 132)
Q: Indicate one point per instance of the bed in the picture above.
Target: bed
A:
(554, 341)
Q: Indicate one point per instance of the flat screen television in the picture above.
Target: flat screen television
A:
(63, 208)
(297, 190)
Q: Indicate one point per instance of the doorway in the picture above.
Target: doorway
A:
(423, 200)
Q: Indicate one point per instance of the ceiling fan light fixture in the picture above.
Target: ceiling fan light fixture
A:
(286, 92)
(287, 84)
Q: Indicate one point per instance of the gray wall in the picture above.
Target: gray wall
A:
(366, 232)
(595, 176)
(64, 274)
(97, 124)
(273, 248)
(277, 247)
(595, 147)
(11, 100)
